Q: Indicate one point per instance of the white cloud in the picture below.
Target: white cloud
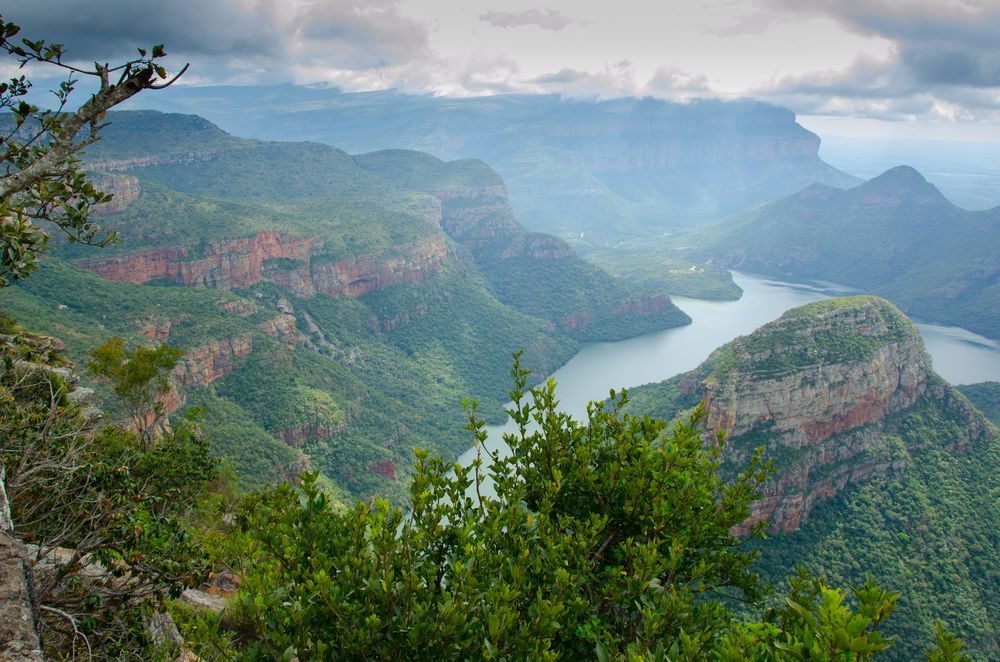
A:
(546, 19)
(906, 59)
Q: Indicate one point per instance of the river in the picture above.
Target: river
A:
(961, 357)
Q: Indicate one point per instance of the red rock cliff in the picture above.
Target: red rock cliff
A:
(275, 257)
(204, 365)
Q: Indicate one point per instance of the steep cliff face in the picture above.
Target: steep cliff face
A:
(784, 379)
(409, 263)
(211, 362)
(608, 170)
(125, 189)
(477, 216)
(120, 165)
(818, 389)
(225, 264)
(290, 262)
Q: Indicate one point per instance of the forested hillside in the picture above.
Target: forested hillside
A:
(333, 310)
(895, 236)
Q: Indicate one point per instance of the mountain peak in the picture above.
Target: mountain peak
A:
(902, 174)
(899, 184)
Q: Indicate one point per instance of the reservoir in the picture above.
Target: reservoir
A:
(961, 357)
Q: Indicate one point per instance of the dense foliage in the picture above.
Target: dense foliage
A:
(811, 335)
(930, 532)
(649, 264)
(139, 379)
(986, 397)
(532, 272)
(414, 349)
(609, 539)
(922, 516)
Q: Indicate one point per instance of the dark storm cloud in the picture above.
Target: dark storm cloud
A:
(937, 43)
(106, 28)
(262, 39)
(939, 52)
(546, 19)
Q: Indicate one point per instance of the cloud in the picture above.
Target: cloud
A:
(358, 35)
(672, 83)
(114, 28)
(941, 57)
(546, 19)
(615, 80)
(237, 40)
(944, 61)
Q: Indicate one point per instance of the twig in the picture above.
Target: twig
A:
(76, 630)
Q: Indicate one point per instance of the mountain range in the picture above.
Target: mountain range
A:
(894, 235)
(591, 172)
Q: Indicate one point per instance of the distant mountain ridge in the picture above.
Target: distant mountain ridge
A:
(465, 199)
(882, 468)
(606, 169)
(895, 235)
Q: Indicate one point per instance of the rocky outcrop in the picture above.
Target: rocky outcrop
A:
(297, 436)
(30, 368)
(385, 468)
(403, 318)
(283, 327)
(156, 330)
(207, 364)
(125, 190)
(815, 388)
(19, 620)
(241, 307)
(405, 264)
(804, 404)
(225, 264)
(120, 165)
(291, 262)
(477, 216)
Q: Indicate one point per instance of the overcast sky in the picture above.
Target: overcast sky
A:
(928, 66)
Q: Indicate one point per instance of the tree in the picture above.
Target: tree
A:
(42, 182)
(610, 539)
(103, 513)
(140, 378)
